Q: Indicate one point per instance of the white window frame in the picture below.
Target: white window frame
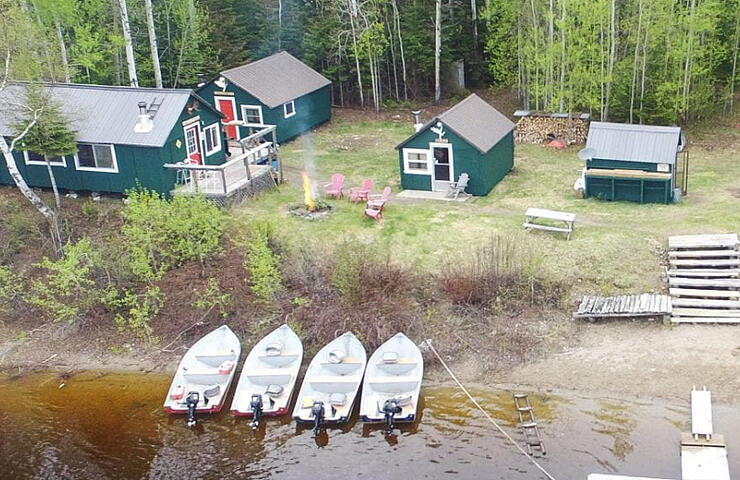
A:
(244, 114)
(96, 169)
(28, 161)
(415, 171)
(285, 109)
(217, 136)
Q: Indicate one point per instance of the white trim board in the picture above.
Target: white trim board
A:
(448, 146)
(95, 169)
(26, 160)
(285, 109)
(411, 171)
(217, 144)
(244, 115)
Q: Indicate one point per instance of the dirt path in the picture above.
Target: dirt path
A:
(637, 360)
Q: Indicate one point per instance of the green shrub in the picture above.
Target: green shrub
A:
(89, 209)
(350, 258)
(162, 234)
(10, 290)
(213, 297)
(18, 228)
(262, 262)
(69, 287)
(137, 310)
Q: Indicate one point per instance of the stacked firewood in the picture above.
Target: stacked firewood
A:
(544, 128)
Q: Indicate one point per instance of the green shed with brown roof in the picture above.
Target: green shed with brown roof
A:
(472, 137)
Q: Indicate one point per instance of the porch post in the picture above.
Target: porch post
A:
(277, 155)
(223, 180)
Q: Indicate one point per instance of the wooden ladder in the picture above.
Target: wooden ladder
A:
(528, 424)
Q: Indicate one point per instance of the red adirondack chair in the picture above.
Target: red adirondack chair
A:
(361, 193)
(374, 213)
(334, 189)
(378, 201)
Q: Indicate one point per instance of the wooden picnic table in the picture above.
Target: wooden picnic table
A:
(534, 214)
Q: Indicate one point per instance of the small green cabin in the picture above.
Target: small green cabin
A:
(125, 137)
(635, 163)
(472, 137)
(277, 90)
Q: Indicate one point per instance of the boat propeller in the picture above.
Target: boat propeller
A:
(256, 405)
(191, 402)
(317, 410)
(390, 408)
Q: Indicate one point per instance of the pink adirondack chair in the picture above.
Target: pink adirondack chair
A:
(379, 201)
(374, 213)
(361, 193)
(334, 189)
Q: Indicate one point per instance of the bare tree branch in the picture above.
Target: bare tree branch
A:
(7, 71)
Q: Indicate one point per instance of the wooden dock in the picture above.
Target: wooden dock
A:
(703, 454)
(593, 307)
(704, 278)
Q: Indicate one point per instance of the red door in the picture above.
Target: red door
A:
(226, 106)
(192, 144)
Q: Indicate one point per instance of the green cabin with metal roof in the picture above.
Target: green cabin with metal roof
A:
(124, 135)
(471, 137)
(277, 90)
(635, 163)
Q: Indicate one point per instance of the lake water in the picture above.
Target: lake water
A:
(113, 426)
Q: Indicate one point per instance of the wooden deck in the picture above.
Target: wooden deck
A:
(624, 306)
(704, 278)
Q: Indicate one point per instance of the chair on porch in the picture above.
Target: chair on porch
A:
(361, 193)
(456, 188)
(334, 189)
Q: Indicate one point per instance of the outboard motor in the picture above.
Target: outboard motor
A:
(390, 408)
(318, 416)
(256, 405)
(191, 402)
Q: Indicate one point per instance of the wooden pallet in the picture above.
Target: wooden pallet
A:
(703, 278)
(624, 306)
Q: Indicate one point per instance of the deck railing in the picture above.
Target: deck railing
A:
(230, 176)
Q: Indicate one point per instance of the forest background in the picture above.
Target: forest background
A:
(646, 61)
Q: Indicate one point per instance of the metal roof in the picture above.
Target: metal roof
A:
(276, 79)
(474, 120)
(633, 143)
(107, 114)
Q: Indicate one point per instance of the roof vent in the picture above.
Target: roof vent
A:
(145, 124)
(417, 120)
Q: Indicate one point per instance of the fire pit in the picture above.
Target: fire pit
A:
(311, 208)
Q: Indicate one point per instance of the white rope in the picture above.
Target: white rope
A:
(490, 419)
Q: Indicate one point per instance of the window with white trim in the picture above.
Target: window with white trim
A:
(252, 114)
(96, 158)
(33, 158)
(212, 138)
(289, 109)
(416, 160)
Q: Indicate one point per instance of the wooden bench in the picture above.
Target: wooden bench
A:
(534, 214)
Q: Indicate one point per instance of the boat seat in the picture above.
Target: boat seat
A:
(390, 357)
(344, 368)
(274, 349)
(216, 357)
(400, 367)
(336, 356)
(274, 391)
(337, 399)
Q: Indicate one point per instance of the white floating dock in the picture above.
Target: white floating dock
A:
(703, 454)
(701, 413)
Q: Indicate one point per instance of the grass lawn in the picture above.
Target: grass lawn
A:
(616, 247)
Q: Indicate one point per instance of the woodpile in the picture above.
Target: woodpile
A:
(542, 128)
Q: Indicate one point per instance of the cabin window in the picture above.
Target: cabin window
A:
(33, 158)
(252, 114)
(213, 139)
(96, 158)
(289, 109)
(416, 161)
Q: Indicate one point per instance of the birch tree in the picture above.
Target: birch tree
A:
(7, 150)
(130, 60)
(437, 49)
(153, 43)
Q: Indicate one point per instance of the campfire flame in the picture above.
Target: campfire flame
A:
(308, 193)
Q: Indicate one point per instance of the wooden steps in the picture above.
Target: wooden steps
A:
(705, 272)
(703, 278)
